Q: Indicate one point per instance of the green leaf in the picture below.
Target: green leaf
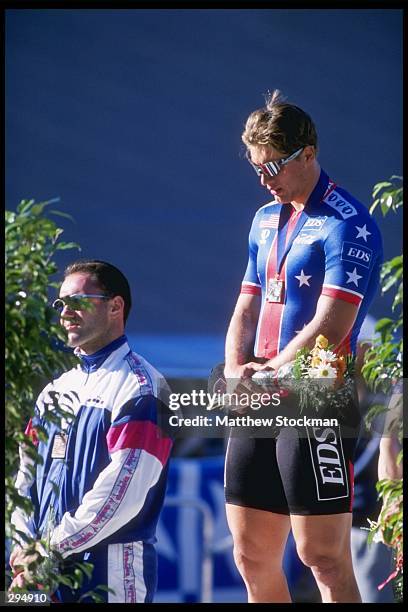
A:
(62, 246)
(383, 324)
(59, 213)
(379, 186)
(24, 206)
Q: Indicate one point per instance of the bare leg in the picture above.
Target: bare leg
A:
(259, 543)
(323, 544)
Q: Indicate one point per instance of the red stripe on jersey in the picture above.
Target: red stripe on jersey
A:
(341, 295)
(351, 472)
(140, 434)
(272, 313)
(251, 289)
(344, 348)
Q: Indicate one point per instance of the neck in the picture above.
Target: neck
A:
(99, 346)
(90, 363)
(310, 184)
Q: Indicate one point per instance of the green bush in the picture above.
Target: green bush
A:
(34, 339)
(32, 329)
(382, 369)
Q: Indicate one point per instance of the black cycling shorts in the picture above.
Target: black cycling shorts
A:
(304, 470)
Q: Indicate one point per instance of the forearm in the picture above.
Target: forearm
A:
(333, 319)
(387, 460)
(305, 338)
(239, 344)
(389, 443)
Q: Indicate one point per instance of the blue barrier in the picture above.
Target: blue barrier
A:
(180, 542)
(195, 486)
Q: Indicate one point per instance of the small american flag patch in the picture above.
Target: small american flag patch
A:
(271, 221)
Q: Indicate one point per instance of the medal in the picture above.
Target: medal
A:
(59, 446)
(275, 291)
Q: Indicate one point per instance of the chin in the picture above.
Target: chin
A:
(73, 341)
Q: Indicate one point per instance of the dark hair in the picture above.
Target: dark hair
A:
(109, 278)
(284, 126)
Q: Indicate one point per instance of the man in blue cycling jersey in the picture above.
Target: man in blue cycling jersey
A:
(99, 489)
(314, 260)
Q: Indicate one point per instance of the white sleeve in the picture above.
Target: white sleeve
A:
(117, 496)
(25, 479)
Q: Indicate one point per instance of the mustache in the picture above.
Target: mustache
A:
(70, 321)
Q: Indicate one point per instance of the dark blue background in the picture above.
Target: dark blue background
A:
(134, 118)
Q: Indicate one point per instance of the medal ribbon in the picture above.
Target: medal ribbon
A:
(283, 246)
(285, 221)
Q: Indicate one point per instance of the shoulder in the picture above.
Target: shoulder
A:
(140, 385)
(142, 378)
(345, 207)
(267, 209)
(350, 217)
(267, 216)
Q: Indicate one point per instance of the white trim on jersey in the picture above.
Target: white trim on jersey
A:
(360, 295)
(249, 283)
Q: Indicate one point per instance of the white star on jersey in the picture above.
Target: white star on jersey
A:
(303, 279)
(353, 277)
(362, 232)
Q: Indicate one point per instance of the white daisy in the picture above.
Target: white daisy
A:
(325, 371)
(327, 356)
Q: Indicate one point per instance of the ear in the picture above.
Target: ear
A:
(309, 153)
(117, 306)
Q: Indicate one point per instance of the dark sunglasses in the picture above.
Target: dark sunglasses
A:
(272, 168)
(77, 301)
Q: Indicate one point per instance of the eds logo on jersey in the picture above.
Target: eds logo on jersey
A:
(356, 254)
(329, 466)
(315, 223)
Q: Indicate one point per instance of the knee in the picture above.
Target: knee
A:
(322, 559)
(251, 558)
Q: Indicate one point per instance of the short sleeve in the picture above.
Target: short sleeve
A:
(250, 283)
(353, 255)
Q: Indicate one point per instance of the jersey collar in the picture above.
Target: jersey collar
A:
(319, 190)
(90, 363)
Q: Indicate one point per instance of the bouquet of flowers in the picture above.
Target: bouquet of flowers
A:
(319, 378)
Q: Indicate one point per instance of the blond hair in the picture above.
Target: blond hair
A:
(279, 124)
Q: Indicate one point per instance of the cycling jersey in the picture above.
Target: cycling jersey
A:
(333, 247)
(108, 459)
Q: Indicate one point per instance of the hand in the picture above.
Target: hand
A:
(239, 382)
(20, 559)
(238, 377)
(14, 557)
(18, 582)
(245, 370)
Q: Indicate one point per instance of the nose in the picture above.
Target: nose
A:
(266, 179)
(67, 312)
